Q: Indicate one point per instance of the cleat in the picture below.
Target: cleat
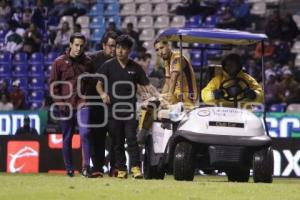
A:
(136, 173)
(122, 174)
(70, 173)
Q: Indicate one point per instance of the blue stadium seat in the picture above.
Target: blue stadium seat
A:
(47, 70)
(109, 1)
(213, 53)
(211, 22)
(36, 70)
(112, 9)
(34, 105)
(5, 70)
(20, 58)
(97, 35)
(96, 10)
(278, 107)
(51, 57)
(7, 79)
(20, 70)
(5, 58)
(196, 58)
(97, 22)
(194, 22)
(37, 58)
(36, 95)
(23, 82)
(116, 19)
(36, 83)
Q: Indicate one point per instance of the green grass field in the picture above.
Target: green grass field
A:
(54, 187)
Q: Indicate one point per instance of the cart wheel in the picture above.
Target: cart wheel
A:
(263, 163)
(184, 162)
(238, 175)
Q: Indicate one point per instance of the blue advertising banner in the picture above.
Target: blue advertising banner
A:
(10, 121)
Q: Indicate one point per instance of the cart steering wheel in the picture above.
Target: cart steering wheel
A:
(234, 89)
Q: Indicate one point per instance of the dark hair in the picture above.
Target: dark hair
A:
(109, 34)
(76, 35)
(233, 58)
(158, 40)
(125, 41)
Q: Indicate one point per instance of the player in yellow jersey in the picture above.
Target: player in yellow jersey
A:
(173, 73)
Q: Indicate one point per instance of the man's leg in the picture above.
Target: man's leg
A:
(67, 129)
(84, 131)
(98, 138)
(133, 148)
(116, 129)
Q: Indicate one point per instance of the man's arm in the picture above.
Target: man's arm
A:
(100, 89)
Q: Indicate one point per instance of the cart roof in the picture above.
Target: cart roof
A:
(211, 35)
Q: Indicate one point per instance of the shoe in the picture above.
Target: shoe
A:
(122, 174)
(136, 172)
(70, 173)
(113, 172)
(86, 172)
(96, 173)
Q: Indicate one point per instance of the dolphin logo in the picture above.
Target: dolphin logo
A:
(24, 152)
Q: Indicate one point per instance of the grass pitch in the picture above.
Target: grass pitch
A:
(56, 187)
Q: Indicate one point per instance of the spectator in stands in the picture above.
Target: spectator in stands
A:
(68, 67)
(26, 19)
(77, 29)
(273, 25)
(289, 28)
(253, 69)
(13, 39)
(62, 38)
(17, 96)
(145, 62)
(269, 50)
(61, 8)
(5, 10)
(289, 88)
(18, 15)
(113, 27)
(271, 89)
(282, 52)
(39, 16)
(5, 104)
(129, 30)
(294, 69)
(158, 73)
(4, 88)
(26, 129)
(32, 39)
(237, 16)
(98, 135)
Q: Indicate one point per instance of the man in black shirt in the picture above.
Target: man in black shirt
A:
(121, 78)
(98, 134)
(26, 129)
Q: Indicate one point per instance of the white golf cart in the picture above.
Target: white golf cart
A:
(230, 140)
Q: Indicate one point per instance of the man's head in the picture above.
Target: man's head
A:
(162, 49)
(109, 43)
(77, 43)
(129, 26)
(232, 64)
(26, 121)
(124, 45)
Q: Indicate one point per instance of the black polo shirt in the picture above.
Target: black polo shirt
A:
(98, 58)
(116, 75)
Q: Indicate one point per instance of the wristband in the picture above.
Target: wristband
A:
(103, 95)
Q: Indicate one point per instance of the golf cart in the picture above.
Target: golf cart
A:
(210, 138)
